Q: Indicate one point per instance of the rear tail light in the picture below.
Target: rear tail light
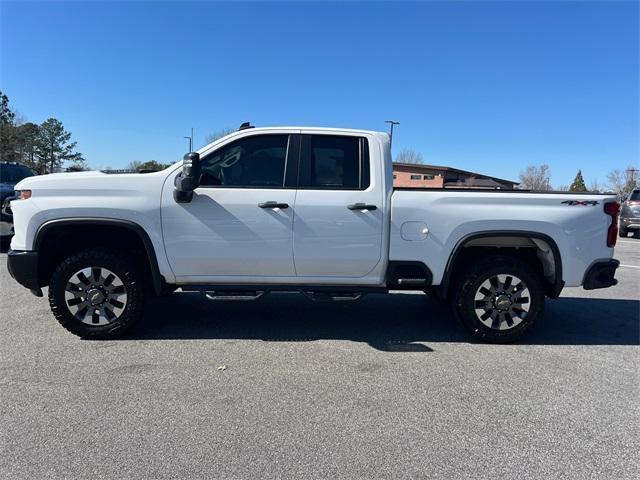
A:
(612, 209)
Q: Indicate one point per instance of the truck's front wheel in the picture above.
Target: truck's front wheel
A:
(96, 294)
(499, 299)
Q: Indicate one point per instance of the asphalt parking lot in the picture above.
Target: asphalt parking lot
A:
(391, 387)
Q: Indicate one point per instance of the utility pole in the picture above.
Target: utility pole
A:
(190, 140)
(391, 124)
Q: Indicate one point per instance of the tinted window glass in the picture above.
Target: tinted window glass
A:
(257, 161)
(12, 174)
(635, 196)
(335, 162)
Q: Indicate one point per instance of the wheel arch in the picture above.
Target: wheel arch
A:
(105, 224)
(553, 285)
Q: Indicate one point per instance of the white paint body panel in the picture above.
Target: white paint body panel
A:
(331, 241)
(223, 232)
(223, 237)
(580, 232)
(134, 197)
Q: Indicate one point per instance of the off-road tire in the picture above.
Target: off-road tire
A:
(114, 261)
(468, 284)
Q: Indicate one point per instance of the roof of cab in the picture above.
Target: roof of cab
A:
(324, 129)
(252, 129)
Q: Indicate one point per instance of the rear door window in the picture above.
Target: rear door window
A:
(335, 162)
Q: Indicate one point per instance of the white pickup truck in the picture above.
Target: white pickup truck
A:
(311, 210)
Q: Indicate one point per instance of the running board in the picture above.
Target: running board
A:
(333, 296)
(322, 293)
(230, 295)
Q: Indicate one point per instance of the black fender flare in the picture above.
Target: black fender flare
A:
(553, 291)
(157, 279)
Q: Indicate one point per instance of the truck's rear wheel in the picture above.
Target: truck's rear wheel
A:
(96, 294)
(499, 299)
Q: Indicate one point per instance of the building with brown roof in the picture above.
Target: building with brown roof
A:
(417, 175)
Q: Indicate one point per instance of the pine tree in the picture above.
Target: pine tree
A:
(7, 115)
(53, 147)
(578, 183)
(8, 137)
(27, 136)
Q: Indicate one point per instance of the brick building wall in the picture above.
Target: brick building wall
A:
(415, 175)
(406, 176)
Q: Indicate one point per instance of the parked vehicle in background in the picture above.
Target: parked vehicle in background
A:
(630, 214)
(301, 209)
(10, 174)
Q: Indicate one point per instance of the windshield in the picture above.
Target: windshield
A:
(635, 196)
(14, 173)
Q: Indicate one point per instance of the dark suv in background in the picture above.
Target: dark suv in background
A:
(630, 214)
(10, 174)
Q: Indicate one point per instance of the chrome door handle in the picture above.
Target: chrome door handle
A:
(361, 206)
(272, 204)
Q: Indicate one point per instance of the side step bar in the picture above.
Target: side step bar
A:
(320, 293)
(229, 295)
(334, 296)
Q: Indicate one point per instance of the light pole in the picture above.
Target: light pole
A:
(391, 124)
(190, 140)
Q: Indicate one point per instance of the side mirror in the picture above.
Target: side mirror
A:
(188, 180)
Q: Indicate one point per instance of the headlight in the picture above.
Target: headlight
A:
(23, 194)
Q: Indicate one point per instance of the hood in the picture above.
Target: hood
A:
(54, 178)
(95, 180)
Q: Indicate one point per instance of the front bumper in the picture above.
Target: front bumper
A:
(630, 222)
(23, 267)
(6, 228)
(6, 218)
(601, 275)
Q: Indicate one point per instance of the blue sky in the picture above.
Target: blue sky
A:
(485, 86)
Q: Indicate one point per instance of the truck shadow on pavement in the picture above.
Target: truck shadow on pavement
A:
(393, 323)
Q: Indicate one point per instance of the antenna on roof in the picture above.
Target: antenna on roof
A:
(246, 125)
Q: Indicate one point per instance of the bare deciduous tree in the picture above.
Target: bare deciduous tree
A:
(595, 186)
(409, 156)
(223, 132)
(622, 182)
(134, 165)
(536, 177)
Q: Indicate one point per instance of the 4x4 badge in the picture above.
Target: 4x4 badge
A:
(581, 202)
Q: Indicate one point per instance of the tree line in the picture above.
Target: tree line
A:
(620, 182)
(44, 147)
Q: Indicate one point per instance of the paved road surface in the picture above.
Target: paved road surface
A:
(389, 388)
